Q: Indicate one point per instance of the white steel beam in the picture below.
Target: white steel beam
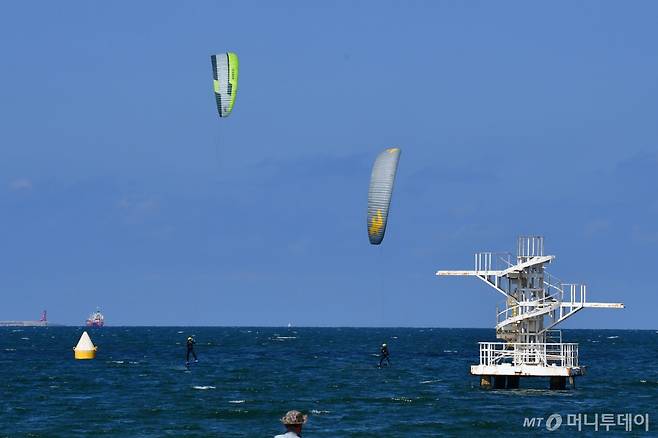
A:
(470, 273)
(593, 305)
(533, 261)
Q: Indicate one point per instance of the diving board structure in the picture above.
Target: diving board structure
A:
(535, 302)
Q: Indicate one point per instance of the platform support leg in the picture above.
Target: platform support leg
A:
(558, 382)
(513, 382)
(500, 382)
(572, 382)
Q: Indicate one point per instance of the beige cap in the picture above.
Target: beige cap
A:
(294, 417)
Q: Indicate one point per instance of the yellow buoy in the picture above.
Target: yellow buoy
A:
(85, 348)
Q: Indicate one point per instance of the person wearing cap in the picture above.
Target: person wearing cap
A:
(190, 349)
(384, 355)
(293, 421)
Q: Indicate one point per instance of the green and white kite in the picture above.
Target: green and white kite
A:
(225, 80)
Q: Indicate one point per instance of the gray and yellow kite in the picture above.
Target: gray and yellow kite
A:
(380, 192)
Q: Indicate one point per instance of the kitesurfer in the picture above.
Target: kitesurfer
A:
(293, 421)
(190, 349)
(384, 355)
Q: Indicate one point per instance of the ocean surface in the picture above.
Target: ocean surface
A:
(247, 378)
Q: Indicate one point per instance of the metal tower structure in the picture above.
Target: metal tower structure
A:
(535, 302)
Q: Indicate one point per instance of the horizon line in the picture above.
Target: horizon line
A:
(305, 327)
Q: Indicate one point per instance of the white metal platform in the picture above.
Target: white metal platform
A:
(535, 302)
(528, 360)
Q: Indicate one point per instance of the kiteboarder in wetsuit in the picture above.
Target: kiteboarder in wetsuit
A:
(384, 355)
(190, 349)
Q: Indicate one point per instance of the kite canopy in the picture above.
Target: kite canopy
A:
(382, 180)
(225, 80)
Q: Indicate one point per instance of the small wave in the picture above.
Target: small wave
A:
(286, 337)
(643, 381)
(317, 412)
(16, 330)
(613, 337)
(10, 349)
(203, 387)
(424, 382)
(450, 351)
(25, 339)
(236, 402)
(117, 361)
(180, 332)
(402, 399)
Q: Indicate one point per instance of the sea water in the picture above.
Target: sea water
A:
(247, 378)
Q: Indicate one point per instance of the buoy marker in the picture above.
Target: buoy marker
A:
(85, 348)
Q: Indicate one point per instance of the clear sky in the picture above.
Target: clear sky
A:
(121, 188)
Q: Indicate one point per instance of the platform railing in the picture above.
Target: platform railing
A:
(492, 261)
(530, 246)
(526, 307)
(553, 285)
(562, 354)
(577, 293)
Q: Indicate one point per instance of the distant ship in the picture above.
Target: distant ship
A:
(40, 323)
(96, 319)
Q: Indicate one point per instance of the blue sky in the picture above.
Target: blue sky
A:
(120, 187)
